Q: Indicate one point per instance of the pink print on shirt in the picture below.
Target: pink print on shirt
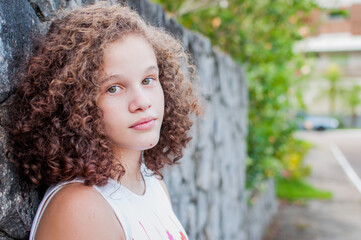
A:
(170, 236)
(182, 236)
(144, 229)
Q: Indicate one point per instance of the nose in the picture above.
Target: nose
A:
(139, 101)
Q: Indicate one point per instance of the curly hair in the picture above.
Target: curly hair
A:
(56, 131)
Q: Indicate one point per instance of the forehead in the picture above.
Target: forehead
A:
(129, 53)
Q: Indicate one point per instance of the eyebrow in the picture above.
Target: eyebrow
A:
(150, 68)
(153, 67)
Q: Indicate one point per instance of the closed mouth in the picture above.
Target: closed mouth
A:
(143, 121)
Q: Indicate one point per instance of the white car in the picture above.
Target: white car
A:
(319, 123)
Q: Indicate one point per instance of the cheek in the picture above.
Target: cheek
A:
(111, 115)
(107, 120)
(161, 99)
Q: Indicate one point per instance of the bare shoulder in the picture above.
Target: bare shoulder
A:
(163, 186)
(79, 212)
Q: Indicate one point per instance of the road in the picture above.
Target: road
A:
(349, 143)
(336, 219)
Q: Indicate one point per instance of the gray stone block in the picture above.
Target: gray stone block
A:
(212, 230)
(46, 9)
(204, 169)
(18, 200)
(202, 213)
(261, 211)
(18, 26)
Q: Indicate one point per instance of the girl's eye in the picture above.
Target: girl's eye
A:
(147, 81)
(114, 89)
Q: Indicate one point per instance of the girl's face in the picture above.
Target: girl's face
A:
(131, 95)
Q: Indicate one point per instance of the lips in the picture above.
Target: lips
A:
(144, 123)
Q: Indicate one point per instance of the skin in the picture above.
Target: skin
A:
(130, 92)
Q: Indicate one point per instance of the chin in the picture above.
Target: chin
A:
(147, 143)
(150, 145)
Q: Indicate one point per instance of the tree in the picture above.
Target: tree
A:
(333, 75)
(352, 98)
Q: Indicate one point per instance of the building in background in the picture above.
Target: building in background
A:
(336, 46)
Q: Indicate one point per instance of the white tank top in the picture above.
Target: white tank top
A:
(143, 217)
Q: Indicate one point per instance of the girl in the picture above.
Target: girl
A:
(103, 107)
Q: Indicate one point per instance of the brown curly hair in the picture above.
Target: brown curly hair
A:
(56, 131)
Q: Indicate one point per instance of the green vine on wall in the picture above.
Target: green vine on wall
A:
(260, 35)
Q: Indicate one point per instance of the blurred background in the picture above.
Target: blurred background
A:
(302, 60)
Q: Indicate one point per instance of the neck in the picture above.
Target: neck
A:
(130, 160)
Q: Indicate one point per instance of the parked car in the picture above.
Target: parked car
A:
(319, 123)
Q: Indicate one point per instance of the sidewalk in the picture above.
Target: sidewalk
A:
(335, 219)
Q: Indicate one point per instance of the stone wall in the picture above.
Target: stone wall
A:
(207, 188)
(261, 208)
